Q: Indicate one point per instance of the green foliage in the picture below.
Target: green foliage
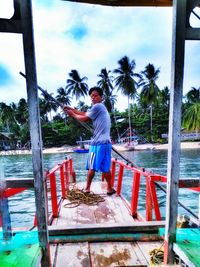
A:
(148, 116)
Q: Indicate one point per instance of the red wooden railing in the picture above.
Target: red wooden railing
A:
(152, 204)
(62, 172)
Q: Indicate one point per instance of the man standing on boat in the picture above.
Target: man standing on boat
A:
(99, 158)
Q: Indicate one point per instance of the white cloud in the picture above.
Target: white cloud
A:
(143, 34)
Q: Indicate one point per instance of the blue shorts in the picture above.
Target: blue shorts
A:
(99, 158)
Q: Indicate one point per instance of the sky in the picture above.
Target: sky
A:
(88, 38)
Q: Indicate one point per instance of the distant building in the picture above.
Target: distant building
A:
(186, 136)
(5, 141)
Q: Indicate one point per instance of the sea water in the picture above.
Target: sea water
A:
(22, 206)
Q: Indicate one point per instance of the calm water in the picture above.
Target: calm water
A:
(22, 207)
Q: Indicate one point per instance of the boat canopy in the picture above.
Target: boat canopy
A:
(161, 3)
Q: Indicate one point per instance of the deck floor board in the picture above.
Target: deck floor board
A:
(112, 210)
(105, 254)
(96, 254)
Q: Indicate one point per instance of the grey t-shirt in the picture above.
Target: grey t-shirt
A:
(101, 124)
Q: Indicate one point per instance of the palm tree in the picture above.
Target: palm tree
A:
(150, 89)
(193, 95)
(191, 115)
(63, 97)
(164, 97)
(106, 85)
(109, 99)
(49, 104)
(82, 106)
(125, 81)
(76, 85)
(7, 116)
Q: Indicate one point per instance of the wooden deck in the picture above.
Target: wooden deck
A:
(101, 235)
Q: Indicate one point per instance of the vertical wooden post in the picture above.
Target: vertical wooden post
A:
(135, 193)
(155, 201)
(113, 168)
(178, 49)
(120, 176)
(70, 166)
(53, 194)
(4, 213)
(148, 201)
(35, 127)
(62, 180)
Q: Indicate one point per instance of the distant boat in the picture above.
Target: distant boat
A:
(125, 146)
(83, 146)
(81, 150)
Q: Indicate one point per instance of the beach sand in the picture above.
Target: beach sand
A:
(184, 145)
(69, 149)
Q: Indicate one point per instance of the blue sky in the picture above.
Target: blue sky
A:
(88, 38)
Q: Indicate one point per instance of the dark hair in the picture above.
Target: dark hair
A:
(95, 88)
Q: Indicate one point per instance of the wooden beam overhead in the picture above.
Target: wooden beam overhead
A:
(157, 3)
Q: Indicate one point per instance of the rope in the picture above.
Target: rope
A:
(157, 256)
(77, 197)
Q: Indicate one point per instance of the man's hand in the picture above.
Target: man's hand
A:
(68, 110)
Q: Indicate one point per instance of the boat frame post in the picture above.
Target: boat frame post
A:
(181, 31)
(22, 23)
(5, 220)
(35, 127)
(173, 168)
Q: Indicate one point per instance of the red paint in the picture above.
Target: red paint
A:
(113, 168)
(12, 191)
(54, 200)
(62, 180)
(148, 200)
(135, 194)
(120, 177)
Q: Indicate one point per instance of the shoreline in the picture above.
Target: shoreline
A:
(69, 149)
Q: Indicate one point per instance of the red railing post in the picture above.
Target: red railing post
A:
(155, 200)
(66, 173)
(119, 182)
(46, 194)
(53, 194)
(135, 193)
(113, 167)
(70, 166)
(148, 200)
(62, 180)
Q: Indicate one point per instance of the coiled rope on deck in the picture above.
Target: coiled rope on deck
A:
(77, 197)
(157, 256)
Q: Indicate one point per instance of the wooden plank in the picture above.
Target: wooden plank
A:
(67, 216)
(73, 255)
(140, 255)
(10, 25)
(136, 227)
(187, 183)
(104, 237)
(53, 251)
(116, 212)
(19, 183)
(104, 213)
(113, 254)
(122, 208)
(85, 214)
